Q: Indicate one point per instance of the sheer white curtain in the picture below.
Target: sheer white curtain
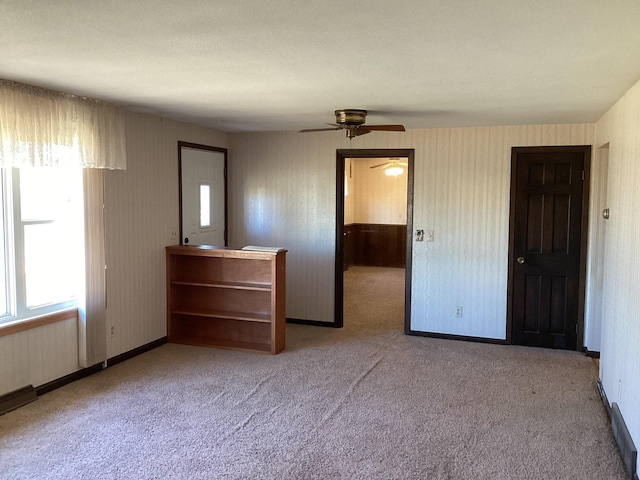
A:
(92, 303)
(40, 127)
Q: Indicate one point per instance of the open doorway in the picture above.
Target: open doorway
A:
(374, 222)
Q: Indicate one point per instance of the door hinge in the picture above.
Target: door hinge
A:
(576, 328)
(583, 175)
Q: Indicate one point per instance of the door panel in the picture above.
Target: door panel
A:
(203, 218)
(545, 245)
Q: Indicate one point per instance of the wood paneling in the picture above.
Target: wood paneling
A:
(377, 245)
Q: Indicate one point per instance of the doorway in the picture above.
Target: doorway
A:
(346, 251)
(597, 226)
(547, 246)
(203, 194)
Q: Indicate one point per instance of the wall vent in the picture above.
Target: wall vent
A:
(628, 450)
(17, 398)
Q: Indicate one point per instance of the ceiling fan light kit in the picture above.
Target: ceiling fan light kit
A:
(393, 167)
(352, 120)
(394, 171)
(351, 116)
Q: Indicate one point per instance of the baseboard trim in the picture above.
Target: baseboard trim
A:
(313, 323)
(85, 372)
(136, 351)
(67, 379)
(590, 353)
(464, 338)
(628, 451)
(17, 398)
(603, 396)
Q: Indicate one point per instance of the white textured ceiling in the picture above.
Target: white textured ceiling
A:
(242, 65)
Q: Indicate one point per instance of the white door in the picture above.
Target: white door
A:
(203, 196)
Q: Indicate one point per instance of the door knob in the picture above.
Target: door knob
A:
(520, 260)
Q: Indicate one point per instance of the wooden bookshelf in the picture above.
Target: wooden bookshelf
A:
(225, 298)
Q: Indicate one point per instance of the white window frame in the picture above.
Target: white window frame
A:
(14, 253)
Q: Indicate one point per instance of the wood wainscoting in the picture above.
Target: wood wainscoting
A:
(375, 245)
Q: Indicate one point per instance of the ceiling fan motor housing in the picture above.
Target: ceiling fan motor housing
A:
(350, 117)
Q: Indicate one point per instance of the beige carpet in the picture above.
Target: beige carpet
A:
(362, 402)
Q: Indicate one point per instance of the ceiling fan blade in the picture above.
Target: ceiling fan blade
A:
(403, 164)
(360, 131)
(381, 165)
(318, 130)
(386, 128)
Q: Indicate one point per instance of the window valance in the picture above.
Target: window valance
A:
(40, 127)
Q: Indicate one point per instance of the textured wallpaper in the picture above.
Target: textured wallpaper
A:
(37, 356)
(141, 210)
(283, 193)
(620, 352)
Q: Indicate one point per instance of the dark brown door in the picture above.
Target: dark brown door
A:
(545, 245)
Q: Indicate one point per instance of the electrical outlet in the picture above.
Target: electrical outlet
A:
(429, 235)
(458, 312)
(173, 235)
(112, 331)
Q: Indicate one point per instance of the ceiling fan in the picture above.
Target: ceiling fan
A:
(393, 167)
(353, 121)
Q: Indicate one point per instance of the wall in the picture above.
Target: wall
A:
(595, 264)
(620, 351)
(464, 185)
(349, 200)
(37, 356)
(377, 198)
(283, 193)
(141, 210)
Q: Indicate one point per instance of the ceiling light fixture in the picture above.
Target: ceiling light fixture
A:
(394, 171)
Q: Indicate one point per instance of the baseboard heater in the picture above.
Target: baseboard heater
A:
(17, 398)
(628, 450)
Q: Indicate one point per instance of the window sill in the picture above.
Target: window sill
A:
(22, 325)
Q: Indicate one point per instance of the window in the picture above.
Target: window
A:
(42, 242)
(205, 205)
